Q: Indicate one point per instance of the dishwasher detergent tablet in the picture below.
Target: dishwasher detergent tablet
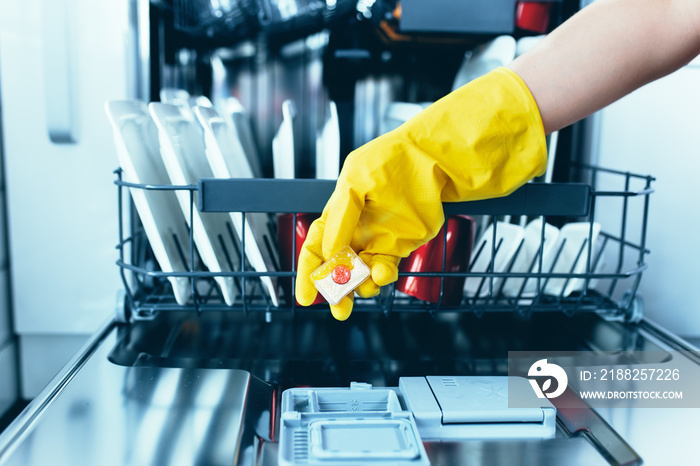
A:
(340, 275)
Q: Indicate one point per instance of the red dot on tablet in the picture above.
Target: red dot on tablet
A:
(340, 274)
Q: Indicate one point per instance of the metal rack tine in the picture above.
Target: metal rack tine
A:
(490, 269)
(554, 263)
(242, 256)
(180, 252)
(227, 256)
(195, 296)
(444, 261)
(573, 266)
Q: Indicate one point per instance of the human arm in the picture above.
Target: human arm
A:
(604, 52)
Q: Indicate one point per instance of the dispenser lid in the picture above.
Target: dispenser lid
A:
(481, 400)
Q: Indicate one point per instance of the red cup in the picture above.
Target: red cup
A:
(428, 258)
(285, 238)
(533, 16)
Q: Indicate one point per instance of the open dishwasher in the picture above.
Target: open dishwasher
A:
(208, 367)
(204, 382)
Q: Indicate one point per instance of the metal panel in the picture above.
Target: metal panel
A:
(8, 381)
(655, 130)
(42, 357)
(5, 322)
(62, 226)
(3, 222)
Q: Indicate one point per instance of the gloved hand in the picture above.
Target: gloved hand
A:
(481, 141)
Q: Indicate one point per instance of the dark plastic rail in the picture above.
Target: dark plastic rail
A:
(289, 196)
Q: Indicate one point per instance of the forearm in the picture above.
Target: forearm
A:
(606, 51)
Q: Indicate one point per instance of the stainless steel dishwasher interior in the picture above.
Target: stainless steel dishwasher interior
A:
(205, 389)
(312, 349)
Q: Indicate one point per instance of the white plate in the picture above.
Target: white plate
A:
(198, 101)
(328, 147)
(508, 238)
(136, 140)
(227, 160)
(184, 100)
(484, 58)
(283, 143)
(397, 113)
(529, 252)
(182, 149)
(174, 96)
(239, 118)
(573, 236)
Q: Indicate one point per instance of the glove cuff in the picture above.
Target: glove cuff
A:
(496, 137)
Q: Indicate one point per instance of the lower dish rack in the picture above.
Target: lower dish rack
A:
(577, 247)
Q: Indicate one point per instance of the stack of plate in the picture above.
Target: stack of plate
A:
(177, 142)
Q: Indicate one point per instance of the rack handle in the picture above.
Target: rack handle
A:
(300, 195)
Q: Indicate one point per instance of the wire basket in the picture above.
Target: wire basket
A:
(598, 272)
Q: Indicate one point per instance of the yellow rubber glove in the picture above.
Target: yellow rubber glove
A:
(483, 140)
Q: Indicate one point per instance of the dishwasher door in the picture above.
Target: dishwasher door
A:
(189, 389)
